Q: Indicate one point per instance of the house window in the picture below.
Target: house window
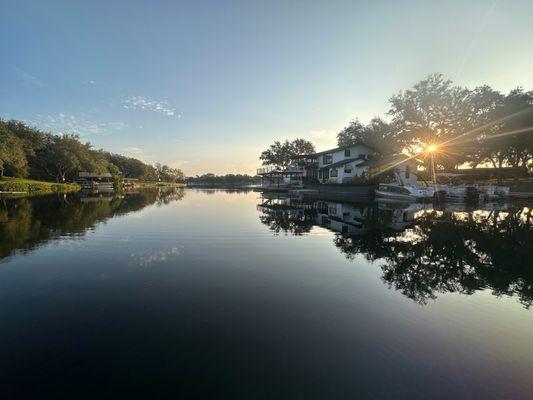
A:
(407, 171)
(327, 159)
(362, 156)
(347, 169)
(347, 153)
(334, 172)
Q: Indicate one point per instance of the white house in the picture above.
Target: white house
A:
(340, 164)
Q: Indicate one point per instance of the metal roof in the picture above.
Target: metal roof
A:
(339, 163)
(358, 143)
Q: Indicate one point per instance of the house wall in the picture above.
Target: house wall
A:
(339, 155)
(342, 176)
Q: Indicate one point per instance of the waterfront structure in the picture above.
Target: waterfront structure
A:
(342, 164)
(278, 178)
(95, 181)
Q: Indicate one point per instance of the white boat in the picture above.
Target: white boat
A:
(395, 191)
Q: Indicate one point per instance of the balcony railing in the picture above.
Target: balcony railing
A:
(271, 169)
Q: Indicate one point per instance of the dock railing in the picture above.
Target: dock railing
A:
(288, 170)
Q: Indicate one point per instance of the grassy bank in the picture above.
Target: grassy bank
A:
(19, 185)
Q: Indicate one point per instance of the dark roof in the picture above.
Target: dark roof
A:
(358, 143)
(339, 163)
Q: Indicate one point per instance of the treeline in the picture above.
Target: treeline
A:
(475, 127)
(28, 152)
(229, 179)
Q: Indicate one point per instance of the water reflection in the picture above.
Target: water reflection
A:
(27, 223)
(423, 251)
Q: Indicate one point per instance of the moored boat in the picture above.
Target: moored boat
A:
(400, 192)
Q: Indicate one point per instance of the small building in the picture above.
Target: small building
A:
(276, 178)
(95, 181)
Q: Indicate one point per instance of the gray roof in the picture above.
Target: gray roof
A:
(358, 143)
(342, 162)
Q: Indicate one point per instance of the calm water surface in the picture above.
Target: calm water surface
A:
(235, 294)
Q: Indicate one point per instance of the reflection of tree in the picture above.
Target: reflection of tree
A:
(445, 252)
(26, 223)
(214, 190)
(295, 222)
(437, 252)
(280, 216)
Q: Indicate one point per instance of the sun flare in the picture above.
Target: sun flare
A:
(432, 148)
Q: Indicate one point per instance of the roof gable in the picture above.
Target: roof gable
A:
(358, 143)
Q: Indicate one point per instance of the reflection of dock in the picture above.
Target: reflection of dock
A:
(353, 219)
(353, 194)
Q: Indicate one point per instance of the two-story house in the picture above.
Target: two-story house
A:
(343, 163)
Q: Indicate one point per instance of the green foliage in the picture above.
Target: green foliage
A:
(378, 135)
(476, 126)
(282, 154)
(168, 174)
(12, 156)
(25, 150)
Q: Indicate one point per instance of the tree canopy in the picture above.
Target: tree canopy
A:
(26, 151)
(12, 155)
(475, 127)
(281, 154)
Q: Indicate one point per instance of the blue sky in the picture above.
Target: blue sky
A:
(206, 85)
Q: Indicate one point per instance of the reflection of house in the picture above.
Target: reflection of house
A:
(343, 163)
(130, 183)
(341, 217)
(345, 218)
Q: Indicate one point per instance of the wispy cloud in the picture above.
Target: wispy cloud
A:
(65, 123)
(133, 150)
(138, 153)
(88, 82)
(323, 138)
(178, 163)
(28, 78)
(148, 104)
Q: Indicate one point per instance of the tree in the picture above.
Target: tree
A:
(282, 154)
(301, 147)
(12, 155)
(168, 174)
(355, 132)
(434, 111)
(504, 137)
(64, 156)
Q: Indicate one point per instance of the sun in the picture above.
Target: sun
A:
(432, 148)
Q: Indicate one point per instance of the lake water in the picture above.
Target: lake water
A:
(213, 293)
